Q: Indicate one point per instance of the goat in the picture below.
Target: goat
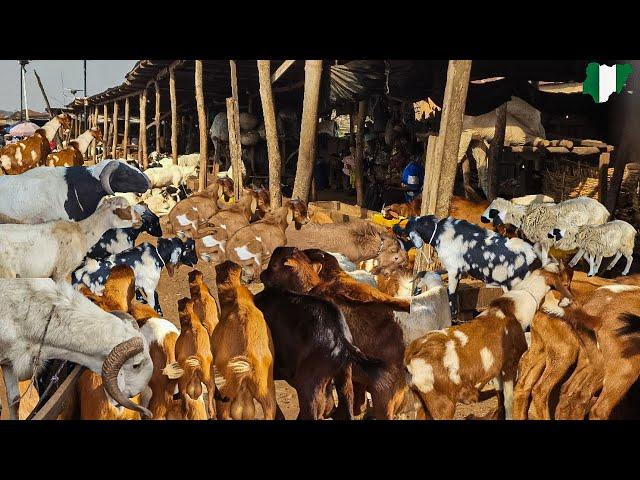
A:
(118, 240)
(169, 175)
(243, 350)
(45, 194)
(55, 249)
(187, 216)
(454, 364)
(52, 321)
(146, 261)
(17, 158)
(252, 246)
(73, 154)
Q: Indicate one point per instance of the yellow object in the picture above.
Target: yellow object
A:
(380, 220)
(562, 254)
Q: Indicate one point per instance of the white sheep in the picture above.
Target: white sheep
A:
(39, 315)
(429, 310)
(598, 241)
(344, 262)
(55, 249)
(169, 175)
(537, 219)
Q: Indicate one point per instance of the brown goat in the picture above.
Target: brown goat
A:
(243, 350)
(193, 212)
(252, 246)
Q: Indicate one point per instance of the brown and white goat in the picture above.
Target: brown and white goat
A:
(454, 364)
(243, 350)
(26, 154)
(73, 154)
(189, 214)
(252, 246)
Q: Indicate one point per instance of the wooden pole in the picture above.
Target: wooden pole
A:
(603, 178)
(446, 154)
(174, 116)
(94, 123)
(157, 116)
(202, 127)
(495, 152)
(273, 149)
(105, 130)
(114, 143)
(125, 140)
(49, 111)
(428, 205)
(362, 113)
(142, 137)
(308, 127)
(234, 124)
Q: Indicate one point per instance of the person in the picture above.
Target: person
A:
(412, 179)
(349, 163)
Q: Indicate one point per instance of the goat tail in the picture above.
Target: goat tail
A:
(237, 370)
(173, 370)
(575, 316)
(373, 369)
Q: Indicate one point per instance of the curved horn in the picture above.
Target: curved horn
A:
(111, 367)
(106, 174)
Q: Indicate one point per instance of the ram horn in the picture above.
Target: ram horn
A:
(106, 174)
(111, 367)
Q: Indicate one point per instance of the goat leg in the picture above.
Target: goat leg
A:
(531, 367)
(616, 384)
(629, 262)
(576, 258)
(12, 388)
(454, 278)
(614, 261)
(344, 388)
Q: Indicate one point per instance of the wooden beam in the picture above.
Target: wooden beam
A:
(157, 117)
(455, 98)
(428, 204)
(105, 130)
(281, 70)
(495, 152)
(308, 128)
(142, 140)
(202, 127)
(162, 117)
(362, 113)
(114, 143)
(94, 123)
(174, 115)
(125, 139)
(233, 123)
(603, 178)
(271, 131)
(56, 403)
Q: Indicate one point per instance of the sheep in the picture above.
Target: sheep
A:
(118, 240)
(45, 194)
(463, 247)
(169, 175)
(44, 320)
(598, 241)
(428, 310)
(535, 220)
(55, 249)
(73, 154)
(159, 201)
(450, 365)
(17, 158)
(146, 261)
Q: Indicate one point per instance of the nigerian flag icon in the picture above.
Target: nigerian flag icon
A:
(603, 80)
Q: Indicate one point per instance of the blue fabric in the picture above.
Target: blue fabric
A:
(413, 169)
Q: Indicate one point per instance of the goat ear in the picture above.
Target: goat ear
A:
(254, 204)
(316, 266)
(289, 216)
(123, 213)
(290, 262)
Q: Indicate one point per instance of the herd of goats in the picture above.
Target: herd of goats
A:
(342, 318)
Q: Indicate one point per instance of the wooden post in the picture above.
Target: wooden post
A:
(362, 113)
(188, 146)
(428, 204)
(308, 127)
(603, 177)
(125, 140)
(49, 111)
(142, 136)
(174, 116)
(446, 154)
(273, 150)
(495, 152)
(114, 143)
(157, 116)
(105, 130)
(94, 123)
(233, 123)
(202, 127)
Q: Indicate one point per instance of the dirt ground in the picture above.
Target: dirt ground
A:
(170, 290)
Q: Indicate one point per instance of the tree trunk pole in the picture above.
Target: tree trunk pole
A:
(233, 123)
(495, 152)
(362, 113)
(94, 123)
(114, 143)
(446, 155)
(142, 137)
(308, 128)
(202, 127)
(273, 149)
(174, 116)
(157, 116)
(125, 140)
(105, 131)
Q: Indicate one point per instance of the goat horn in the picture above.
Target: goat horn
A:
(106, 174)
(111, 367)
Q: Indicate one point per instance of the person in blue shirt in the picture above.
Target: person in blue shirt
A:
(412, 179)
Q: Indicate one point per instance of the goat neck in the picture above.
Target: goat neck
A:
(51, 128)
(94, 226)
(527, 297)
(277, 217)
(83, 141)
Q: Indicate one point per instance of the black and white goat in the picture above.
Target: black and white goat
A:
(146, 261)
(118, 240)
(463, 247)
(46, 194)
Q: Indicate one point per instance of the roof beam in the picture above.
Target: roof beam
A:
(281, 70)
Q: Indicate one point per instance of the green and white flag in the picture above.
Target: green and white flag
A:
(603, 80)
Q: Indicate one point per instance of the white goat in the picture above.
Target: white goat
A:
(429, 310)
(362, 276)
(169, 175)
(55, 249)
(598, 241)
(40, 316)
